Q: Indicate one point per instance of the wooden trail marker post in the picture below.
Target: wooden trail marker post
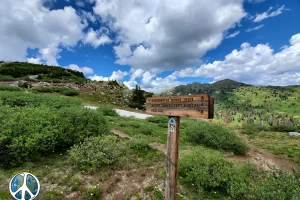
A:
(195, 106)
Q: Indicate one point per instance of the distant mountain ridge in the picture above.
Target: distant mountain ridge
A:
(222, 86)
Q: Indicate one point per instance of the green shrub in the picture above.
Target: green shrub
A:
(250, 129)
(207, 170)
(123, 124)
(215, 136)
(283, 128)
(5, 87)
(158, 119)
(93, 193)
(206, 173)
(135, 124)
(163, 125)
(140, 147)
(147, 131)
(95, 152)
(71, 92)
(53, 89)
(153, 192)
(22, 99)
(107, 110)
(161, 121)
(34, 131)
(6, 78)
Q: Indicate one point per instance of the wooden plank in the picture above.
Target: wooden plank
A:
(182, 113)
(170, 99)
(165, 109)
(202, 103)
(172, 158)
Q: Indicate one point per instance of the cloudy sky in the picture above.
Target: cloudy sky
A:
(157, 44)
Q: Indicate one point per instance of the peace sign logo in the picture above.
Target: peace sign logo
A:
(24, 186)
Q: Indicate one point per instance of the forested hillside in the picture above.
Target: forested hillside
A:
(203, 88)
(35, 72)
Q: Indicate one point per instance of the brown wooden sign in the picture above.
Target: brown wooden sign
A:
(196, 106)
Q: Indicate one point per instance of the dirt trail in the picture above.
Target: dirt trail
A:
(262, 158)
(121, 133)
(124, 183)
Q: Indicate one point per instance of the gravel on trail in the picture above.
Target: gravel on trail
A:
(125, 113)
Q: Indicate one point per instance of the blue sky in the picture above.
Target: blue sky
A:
(158, 44)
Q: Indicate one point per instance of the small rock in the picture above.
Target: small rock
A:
(294, 134)
(256, 158)
(33, 77)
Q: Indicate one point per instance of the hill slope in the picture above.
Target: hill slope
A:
(35, 72)
(204, 88)
(53, 79)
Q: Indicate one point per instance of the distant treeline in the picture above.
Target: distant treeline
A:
(43, 72)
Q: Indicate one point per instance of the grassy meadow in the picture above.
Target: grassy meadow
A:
(78, 153)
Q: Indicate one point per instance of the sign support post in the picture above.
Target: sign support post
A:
(195, 106)
(172, 157)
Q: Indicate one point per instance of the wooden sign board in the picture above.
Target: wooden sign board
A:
(196, 106)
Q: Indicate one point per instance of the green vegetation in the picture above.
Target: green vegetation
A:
(139, 98)
(158, 119)
(279, 143)
(220, 87)
(23, 71)
(26, 99)
(50, 195)
(93, 193)
(105, 92)
(61, 90)
(69, 148)
(5, 87)
(205, 173)
(139, 128)
(95, 152)
(154, 193)
(214, 136)
(269, 107)
(39, 128)
(107, 110)
(274, 108)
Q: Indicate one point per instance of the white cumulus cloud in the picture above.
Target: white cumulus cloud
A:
(85, 70)
(28, 24)
(257, 65)
(34, 60)
(116, 75)
(170, 34)
(96, 38)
